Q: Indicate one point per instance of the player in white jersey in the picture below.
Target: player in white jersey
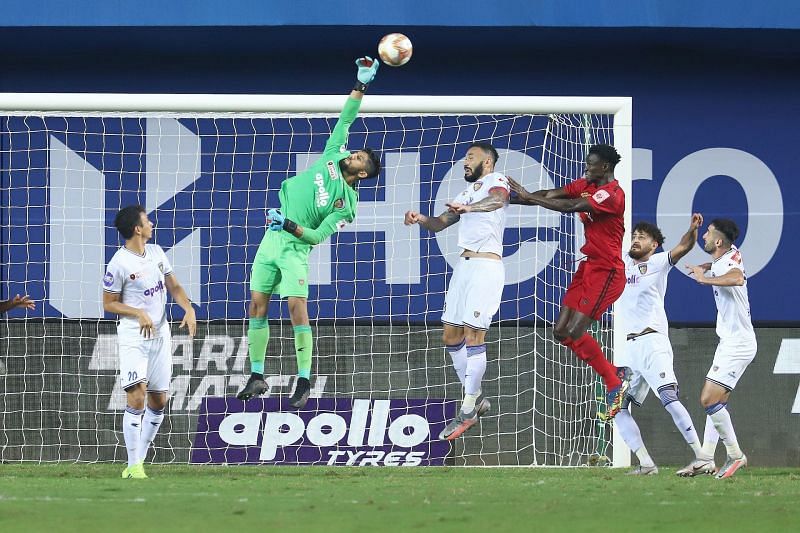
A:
(648, 352)
(737, 341)
(473, 295)
(134, 288)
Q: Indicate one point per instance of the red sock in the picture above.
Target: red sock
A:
(587, 349)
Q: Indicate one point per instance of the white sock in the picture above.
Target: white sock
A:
(724, 426)
(632, 436)
(710, 439)
(150, 424)
(458, 353)
(476, 367)
(684, 424)
(131, 431)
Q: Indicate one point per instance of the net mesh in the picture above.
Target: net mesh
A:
(376, 289)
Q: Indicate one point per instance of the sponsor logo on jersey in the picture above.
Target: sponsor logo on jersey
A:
(601, 196)
(585, 195)
(332, 170)
(632, 280)
(342, 148)
(339, 203)
(715, 368)
(108, 279)
(477, 185)
(321, 195)
(152, 291)
(133, 276)
(340, 225)
(642, 268)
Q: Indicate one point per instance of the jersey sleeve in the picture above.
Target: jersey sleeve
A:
(338, 139)
(500, 182)
(661, 261)
(167, 270)
(733, 261)
(330, 225)
(605, 201)
(575, 188)
(113, 278)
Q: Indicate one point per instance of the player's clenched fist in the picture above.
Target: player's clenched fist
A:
(412, 217)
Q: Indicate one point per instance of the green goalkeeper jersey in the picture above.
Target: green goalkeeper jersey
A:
(319, 199)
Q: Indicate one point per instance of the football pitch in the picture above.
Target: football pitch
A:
(87, 498)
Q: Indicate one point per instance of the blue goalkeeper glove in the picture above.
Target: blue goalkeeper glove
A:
(275, 219)
(367, 69)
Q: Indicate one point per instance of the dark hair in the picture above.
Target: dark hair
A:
(486, 147)
(607, 153)
(650, 230)
(727, 227)
(375, 160)
(127, 220)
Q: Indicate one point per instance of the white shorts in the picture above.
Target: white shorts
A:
(146, 361)
(473, 296)
(650, 358)
(730, 361)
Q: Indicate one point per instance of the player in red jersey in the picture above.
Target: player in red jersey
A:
(600, 278)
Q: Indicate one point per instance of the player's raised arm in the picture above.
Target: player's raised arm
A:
(688, 240)
(433, 224)
(367, 69)
(521, 196)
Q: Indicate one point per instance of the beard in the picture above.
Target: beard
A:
(637, 254)
(477, 172)
(709, 247)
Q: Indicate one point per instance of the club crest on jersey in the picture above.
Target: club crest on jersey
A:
(161, 267)
(133, 276)
(332, 170)
(339, 203)
(301, 282)
(108, 279)
(662, 375)
(476, 314)
(477, 185)
(600, 196)
(642, 268)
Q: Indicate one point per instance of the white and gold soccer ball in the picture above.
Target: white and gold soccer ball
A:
(395, 49)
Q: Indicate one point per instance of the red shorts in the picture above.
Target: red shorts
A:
(594, 288)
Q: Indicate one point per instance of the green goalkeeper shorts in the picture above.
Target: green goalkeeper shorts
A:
(281, 266)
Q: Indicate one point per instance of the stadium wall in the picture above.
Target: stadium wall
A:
(60, 402)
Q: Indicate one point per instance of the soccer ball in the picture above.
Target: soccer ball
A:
(394, 49)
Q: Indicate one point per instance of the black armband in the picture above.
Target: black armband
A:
(360, 87)
(289, 226)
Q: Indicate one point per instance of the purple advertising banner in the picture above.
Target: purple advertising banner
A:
(328, 431)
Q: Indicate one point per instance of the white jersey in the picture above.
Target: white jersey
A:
(140, 281)
(733, 305)
(641, 305)
(483, 232)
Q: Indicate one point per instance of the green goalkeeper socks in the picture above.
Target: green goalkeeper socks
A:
(303, 348)
(257, 338)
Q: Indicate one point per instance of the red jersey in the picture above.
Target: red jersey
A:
(605, 226)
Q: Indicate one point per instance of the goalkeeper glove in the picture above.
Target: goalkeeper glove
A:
(275, 220)
(367, 69)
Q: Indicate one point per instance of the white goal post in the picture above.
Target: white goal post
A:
(206, 166)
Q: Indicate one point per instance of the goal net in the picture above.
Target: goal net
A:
(206, 168)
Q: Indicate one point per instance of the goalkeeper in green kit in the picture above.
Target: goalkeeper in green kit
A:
(314, 204)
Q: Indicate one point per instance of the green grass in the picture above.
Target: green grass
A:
(90, 498)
